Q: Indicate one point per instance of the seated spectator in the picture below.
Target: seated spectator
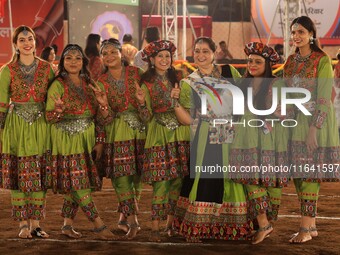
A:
(223, 53)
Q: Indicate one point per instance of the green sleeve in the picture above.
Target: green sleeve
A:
(145, 112)
(51, 75)
(56, 89)
(147, 97)
(235, 74)
(185, 97)
(323, 91)
(5, 81)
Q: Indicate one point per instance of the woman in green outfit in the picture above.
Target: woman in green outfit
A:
(77, 138)
(167, 142)
(125, 134)
(264, 146)
(210, 206)
(24, 133)
(315, 152)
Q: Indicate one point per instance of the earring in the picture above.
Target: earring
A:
(152, 65)
(311, 40)
(63, 74)
(17, 51)
(82, 74)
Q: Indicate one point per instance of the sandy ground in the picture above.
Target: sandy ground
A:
(327, 242)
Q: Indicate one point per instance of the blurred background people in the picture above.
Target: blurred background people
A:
(151, 34)
(92, 53)
(48, 54)
(222, 53)
(128, 50)
(279, 49)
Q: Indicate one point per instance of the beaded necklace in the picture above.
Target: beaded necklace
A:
(297, 77)
(28, 71)
(162, 78)
(118, 82)
(78, 89)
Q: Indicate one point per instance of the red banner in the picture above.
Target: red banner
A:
(2, 8)
(44, 16)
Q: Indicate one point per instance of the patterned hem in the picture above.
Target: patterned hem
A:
(215, 231)
(321, 166)
(90, 211)
(166, 162)
(69, 210)
(26, 174)
(271, 172)
(159, 211)
(32, 212)
(308, 208)
(19, 213)
(74, 172)
(274, 213)
(259, 206)
(127, 207)
(206, 220)
(124, 158)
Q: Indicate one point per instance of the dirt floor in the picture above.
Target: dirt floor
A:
(326, 244)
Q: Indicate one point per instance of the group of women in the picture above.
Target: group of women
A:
(67, 132)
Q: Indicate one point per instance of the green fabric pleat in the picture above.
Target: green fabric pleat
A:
(202, 141)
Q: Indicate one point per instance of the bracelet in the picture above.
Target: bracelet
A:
(100, 139)
(57, 114)
(176, 104)
(103, 108)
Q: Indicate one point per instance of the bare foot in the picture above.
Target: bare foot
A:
(103, 233)
(302, 237)
(132, 232)
(313, 231)
(25, 232)
(68, 230)
(123, 225)
(155, 236)
(262, 233)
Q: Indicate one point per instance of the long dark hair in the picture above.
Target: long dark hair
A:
(259, 101)
(308, 24)
(151, 74)
(91, 49)
(62, 73)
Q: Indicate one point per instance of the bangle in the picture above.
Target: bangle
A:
(177, 104)
(103, 108)
(57, 115)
